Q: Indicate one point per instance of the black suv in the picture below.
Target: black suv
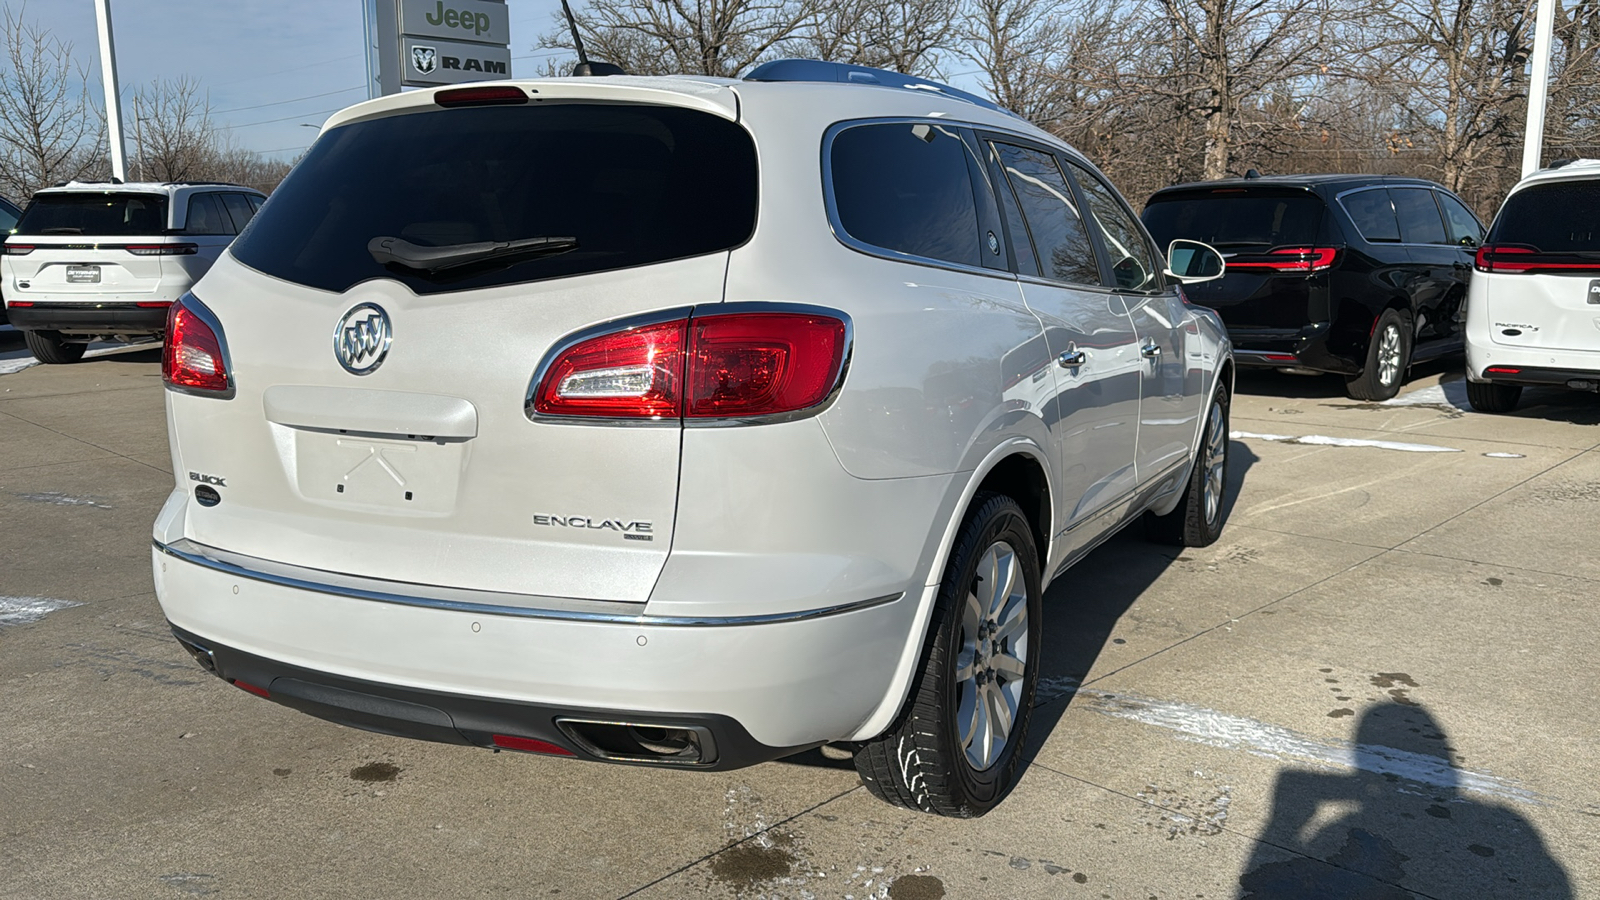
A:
(1358, 275)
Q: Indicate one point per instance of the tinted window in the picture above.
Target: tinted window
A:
(255, 202)
(1418, 215)
(1462, 224)
(1132, 264)
(1060, 239)
(8, 216)
(97, 214)
(632, 184)
(239, 209)
(206, 216)
(1559, 217)
(1372, 214)
(1021, 244)
(1236, 217)
(906, 187)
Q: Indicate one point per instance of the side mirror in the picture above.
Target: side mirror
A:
(1191, 262)
(1469, 242)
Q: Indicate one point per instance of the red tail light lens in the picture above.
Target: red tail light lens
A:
(192, 359)
(481, 96)
(163, 249)
(1523, 259)
(18, 249)
(258, 691)
(635, 374)
(731, 365)
(762, 364)
(1292, 259)
(529, 745)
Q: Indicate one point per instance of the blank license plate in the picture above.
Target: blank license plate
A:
(83, 274)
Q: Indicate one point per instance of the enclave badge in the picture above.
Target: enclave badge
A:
(361, 340)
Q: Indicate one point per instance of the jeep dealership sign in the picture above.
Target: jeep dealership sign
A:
(423, 43)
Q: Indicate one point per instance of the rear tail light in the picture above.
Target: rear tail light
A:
(1292, 259)
(1523, 259)
(193, 360)
(743, 364)
(18, 249)
(163, 249)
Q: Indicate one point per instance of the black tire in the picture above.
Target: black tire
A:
(1197, 519)
(49, 347)
(1493, 398)
(1377, 381)
(921, 762)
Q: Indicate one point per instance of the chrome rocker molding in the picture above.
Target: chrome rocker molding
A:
(382, 591)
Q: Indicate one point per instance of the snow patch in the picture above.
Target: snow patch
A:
(1322, 440)
(27, 610)
(8, 366)
(1451, 395)
(59, 498)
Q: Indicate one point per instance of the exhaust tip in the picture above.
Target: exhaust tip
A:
(204, 657)
(651, 743)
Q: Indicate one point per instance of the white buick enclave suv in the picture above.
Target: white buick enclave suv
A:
(1533, 306)
(680, 421)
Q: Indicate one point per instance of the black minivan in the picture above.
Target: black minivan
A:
(1358, 275)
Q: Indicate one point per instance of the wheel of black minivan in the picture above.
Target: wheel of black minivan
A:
(1388, 358)
(49, 347)
(956, 748)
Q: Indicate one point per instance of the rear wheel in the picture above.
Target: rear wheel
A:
(50, 347)
(1493, 398)
(1388, 358)
(956, 748)
(1197, 519)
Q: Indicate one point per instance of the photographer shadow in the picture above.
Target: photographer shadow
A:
(1404, 819)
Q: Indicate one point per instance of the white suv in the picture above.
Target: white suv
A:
(1533, 307)
(103, 261)
(555, 416)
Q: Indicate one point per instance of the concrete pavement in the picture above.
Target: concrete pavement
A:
(1377, 684)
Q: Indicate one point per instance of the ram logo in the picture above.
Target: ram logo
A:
(424, 59)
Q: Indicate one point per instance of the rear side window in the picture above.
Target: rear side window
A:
(1418, 215)
(96, 214)
(8, 217)
(1462, 226)
(1373, 215)
(906, 187)
(239, 209)
(1237, 217)
(206, 216)
(1558, 217)
(632, 185)
(1133, 266)
(1060, 239)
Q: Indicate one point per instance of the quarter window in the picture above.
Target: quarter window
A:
(906, 187)
(206, 216)
(239, 209)
(1373, 215)
(1418, 215)
(1061, 247)
(1133, 265)
(1462, 224)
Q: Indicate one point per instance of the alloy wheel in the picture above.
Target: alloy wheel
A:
(1389, 355)
(992, 661)
(1216, 461)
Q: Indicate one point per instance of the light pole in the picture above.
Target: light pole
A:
(108, 74)
(1538, 87)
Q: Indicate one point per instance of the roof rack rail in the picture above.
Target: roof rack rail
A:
(844, 73)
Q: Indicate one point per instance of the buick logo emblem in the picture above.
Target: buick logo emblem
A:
(423, 59)
(362, 339)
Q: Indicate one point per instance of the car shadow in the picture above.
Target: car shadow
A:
(1274, 383)
(1343, 833)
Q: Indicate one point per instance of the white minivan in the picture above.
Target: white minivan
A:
(681, 421)
(1533, 307)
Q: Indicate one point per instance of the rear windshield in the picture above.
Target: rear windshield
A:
(1228, 219)
(97, 214)
(1561, 217)
(631, 184)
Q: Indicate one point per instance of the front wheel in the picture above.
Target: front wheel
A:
(1197, 519)
(1493, 398)
(1388, 358)
(956, 748)
(49, 347)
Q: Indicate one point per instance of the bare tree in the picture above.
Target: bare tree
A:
(901, 35)
(175, 137)
(49, 130)
(701, 37)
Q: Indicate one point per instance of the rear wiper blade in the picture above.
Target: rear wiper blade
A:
(386, 249)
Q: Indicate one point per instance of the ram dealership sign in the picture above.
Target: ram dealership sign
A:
(423, 43)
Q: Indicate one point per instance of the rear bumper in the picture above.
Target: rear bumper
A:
(87, 318)
(1305, 348)
(1534, 366)
(763, 690)
(1577, 379)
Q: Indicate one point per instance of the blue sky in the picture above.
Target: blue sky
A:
(253, 55)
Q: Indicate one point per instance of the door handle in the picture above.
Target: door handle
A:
(1072, 356)
(1151, 350)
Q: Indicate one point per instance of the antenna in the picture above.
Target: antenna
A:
(584, 67)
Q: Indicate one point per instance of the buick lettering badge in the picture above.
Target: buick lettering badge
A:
(362, 339)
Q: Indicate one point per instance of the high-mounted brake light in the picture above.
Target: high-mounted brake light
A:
(729, 365)
(163, 249)
(1523, 259)
(1292, 259)
(192, 360)
(481, 96)
(18, 249)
